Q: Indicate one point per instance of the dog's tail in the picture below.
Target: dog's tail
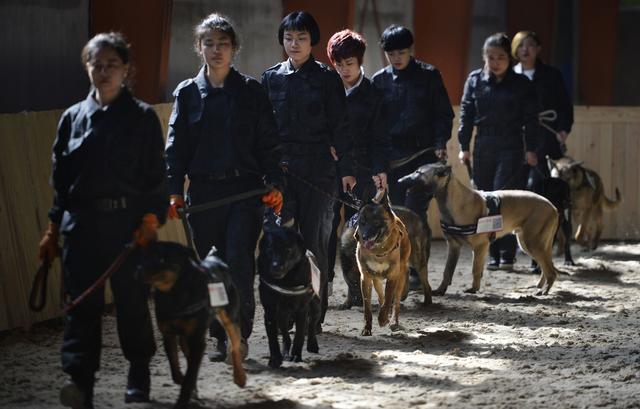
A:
(612, 204)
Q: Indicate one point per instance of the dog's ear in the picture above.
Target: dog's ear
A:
(575, 164)
(551, 164)
(212, 252)
(444, 171)
(379, 197)
(386, 202)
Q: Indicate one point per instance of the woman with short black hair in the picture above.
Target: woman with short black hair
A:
(310, 107)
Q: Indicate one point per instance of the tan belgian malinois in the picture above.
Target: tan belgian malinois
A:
(588, 200)
(531, 217)
(382, 253)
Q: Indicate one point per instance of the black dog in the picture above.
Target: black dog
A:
(288, 293)
(187, 296)
(558, 192)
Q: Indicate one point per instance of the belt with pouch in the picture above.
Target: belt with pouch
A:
(215, 176)
(103, 204)
(294, 148)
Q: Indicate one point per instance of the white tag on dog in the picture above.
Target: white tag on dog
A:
(489, 224)
(315, 273)
(217, 295)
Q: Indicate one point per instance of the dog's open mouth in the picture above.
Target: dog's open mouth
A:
(370, 242)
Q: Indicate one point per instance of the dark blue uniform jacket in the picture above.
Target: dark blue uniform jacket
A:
(505, 112)
(311, 111)
(108, 157)
(204, 140)
(420, 114)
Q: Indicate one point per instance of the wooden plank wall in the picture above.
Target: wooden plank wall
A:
(607, 139)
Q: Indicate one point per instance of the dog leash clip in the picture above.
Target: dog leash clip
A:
(353, 198)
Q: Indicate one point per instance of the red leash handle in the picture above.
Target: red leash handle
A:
(117, 263)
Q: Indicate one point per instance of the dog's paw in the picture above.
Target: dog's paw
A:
(181, 405)
(383, 318)
(569, 262)
(396, 327)
(471, 290)
(312, 346)
(439, 291)
(366, 332)
(345, 306)
(295, 358)
(275, 361)
(177, 377)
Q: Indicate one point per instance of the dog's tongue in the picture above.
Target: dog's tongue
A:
(368, 244)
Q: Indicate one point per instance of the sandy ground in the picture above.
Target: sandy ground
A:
(578, 347)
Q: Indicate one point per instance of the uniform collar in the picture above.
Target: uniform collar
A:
(407, 72)
(92, 106)
(304, 71)
(351, 90)
(487, 76)
(230, 83)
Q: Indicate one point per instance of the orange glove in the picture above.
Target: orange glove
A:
(148, 230)
(49, 244)
(175, 202)
(273, 200)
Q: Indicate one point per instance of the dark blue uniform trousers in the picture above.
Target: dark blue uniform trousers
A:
(234, 230)
(311, 209)
(499, 170)
(89, 249)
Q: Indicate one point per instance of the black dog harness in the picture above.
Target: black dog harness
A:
(492, 202)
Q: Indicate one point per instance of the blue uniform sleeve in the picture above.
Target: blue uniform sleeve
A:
(154, 167)
(443, 113)
(338, 121)
(60, 177)
(268, 147)
(177, 148)
(467, 114)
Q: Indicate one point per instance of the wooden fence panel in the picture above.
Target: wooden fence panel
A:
(607, 139)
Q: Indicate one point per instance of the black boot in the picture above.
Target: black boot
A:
(77, 394)
(138, 383)
(220, 353)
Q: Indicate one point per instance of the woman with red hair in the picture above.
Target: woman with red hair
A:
(371, 144)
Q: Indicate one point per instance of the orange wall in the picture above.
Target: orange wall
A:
(331, 15)
(538, 16)
(147, 25)
(598, 34)
(442, 39)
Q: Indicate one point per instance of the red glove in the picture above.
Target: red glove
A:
(49, 244)
(148, 230)
(175, 202)
(273, 200)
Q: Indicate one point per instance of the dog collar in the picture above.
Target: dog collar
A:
(292, 291)
(394, 247)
